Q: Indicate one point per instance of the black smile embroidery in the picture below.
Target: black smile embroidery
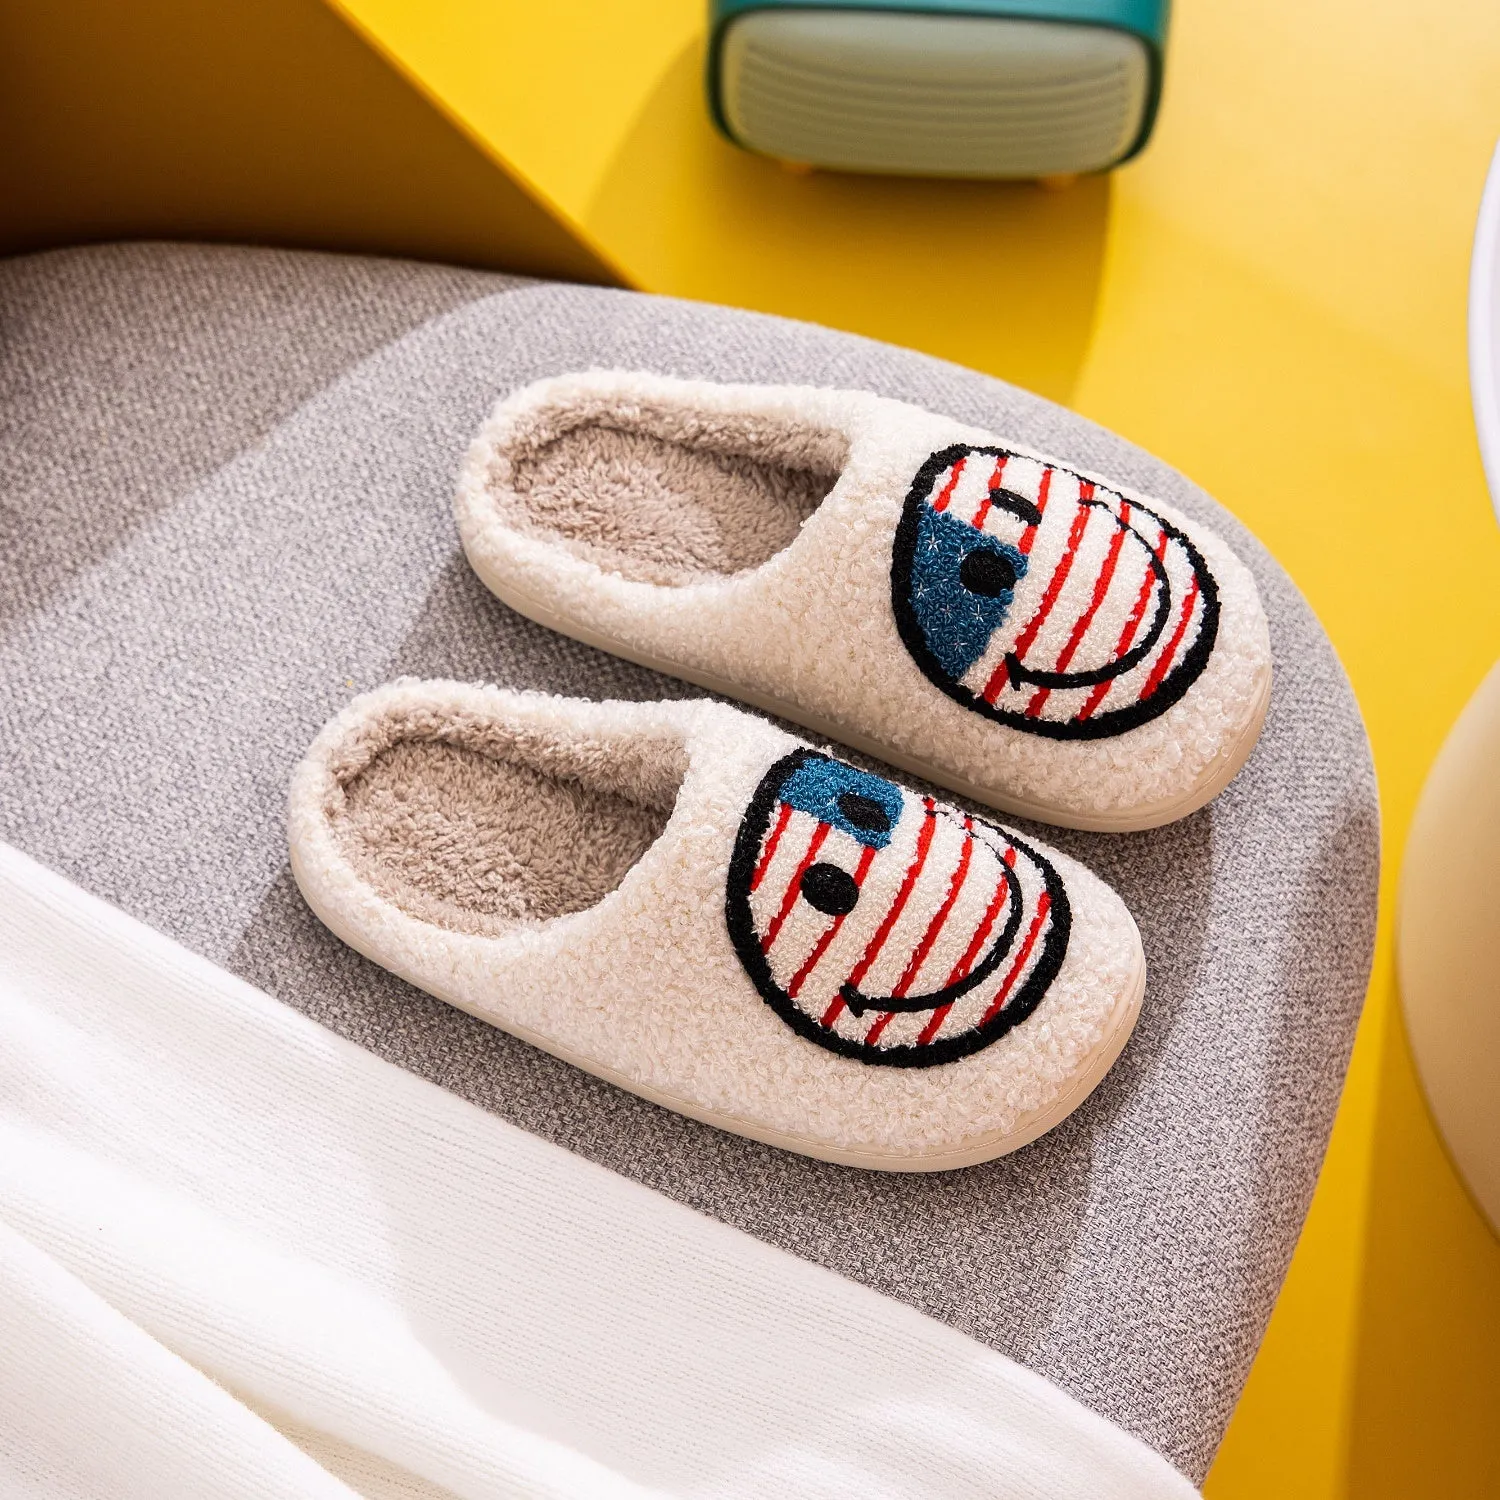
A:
(976, 932)
(962, 571)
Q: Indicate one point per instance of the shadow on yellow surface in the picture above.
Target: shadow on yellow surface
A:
(1004, 276)
(265, 122)
(1429, 1313)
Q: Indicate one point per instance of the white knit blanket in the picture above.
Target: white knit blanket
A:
(240, 1257)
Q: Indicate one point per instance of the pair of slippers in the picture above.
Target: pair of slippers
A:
(689, 902)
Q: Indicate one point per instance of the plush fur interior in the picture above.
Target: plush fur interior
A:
(475, 826)
(662, 495)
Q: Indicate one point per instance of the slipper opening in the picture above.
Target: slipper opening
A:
(479, 824)
(660, 492)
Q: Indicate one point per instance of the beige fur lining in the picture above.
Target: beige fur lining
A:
(663, 494)
(475, 825)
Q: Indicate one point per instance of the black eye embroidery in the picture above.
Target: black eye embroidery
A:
(987, 573)
(829, 889)
(1017, 505)
(864, 812)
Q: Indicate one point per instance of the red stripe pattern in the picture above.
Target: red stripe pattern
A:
(1113, 594)
(948, 897)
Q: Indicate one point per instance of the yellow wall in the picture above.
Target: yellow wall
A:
(255, 120)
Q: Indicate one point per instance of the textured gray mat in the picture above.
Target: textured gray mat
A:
(224, 487)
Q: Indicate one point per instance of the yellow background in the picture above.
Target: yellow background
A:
(1272, 298)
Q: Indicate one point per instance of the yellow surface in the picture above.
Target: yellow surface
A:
(1272, 298)
(257, 120)
(598, 106)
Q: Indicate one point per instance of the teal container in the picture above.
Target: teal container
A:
(965, 88)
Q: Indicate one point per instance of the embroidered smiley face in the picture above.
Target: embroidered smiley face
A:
(1044, 600)
(885, 926)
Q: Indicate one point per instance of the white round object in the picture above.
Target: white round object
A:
(1484, 329)
(1448, 943)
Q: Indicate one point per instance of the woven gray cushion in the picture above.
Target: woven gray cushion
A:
(226, 484)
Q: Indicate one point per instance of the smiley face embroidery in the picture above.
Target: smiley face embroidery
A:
(886, 926)
(1046, 601)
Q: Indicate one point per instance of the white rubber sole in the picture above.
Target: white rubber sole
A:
(986, 1148)
(1215, 777)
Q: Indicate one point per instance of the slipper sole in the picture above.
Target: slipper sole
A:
(1121, 1024)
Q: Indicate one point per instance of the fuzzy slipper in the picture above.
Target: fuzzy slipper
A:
(686, 901)
(1028, 635)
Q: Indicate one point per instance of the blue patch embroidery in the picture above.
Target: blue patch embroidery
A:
(956, 623)
(865, 807)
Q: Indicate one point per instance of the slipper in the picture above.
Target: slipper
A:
(1035, 637)
(686, 901)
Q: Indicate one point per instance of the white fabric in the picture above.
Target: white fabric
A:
(240, 1257)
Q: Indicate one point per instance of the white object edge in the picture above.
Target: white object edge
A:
(1484, 329)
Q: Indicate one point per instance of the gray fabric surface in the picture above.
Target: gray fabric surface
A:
(226, 485)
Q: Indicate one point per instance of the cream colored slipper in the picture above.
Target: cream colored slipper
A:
(1032, 636)
(688, 902)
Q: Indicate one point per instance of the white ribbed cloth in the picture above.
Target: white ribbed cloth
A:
(240, 1257)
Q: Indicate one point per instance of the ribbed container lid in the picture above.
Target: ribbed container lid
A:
(969, 96)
